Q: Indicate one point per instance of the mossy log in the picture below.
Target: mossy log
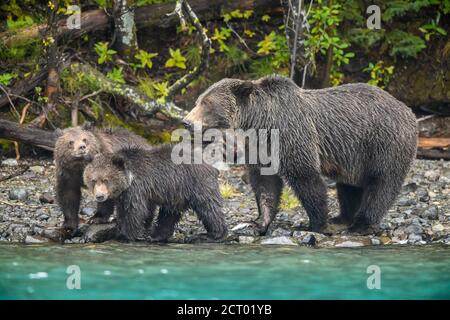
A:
(162, 111)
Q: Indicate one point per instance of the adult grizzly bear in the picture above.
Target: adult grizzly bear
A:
(356, 134)
(138, 180)
(74, 149)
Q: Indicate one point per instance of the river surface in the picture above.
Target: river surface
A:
(212, 271)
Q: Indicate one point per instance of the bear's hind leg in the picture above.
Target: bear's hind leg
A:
(349, 203)
(312, 192)
(104, 211)
(267, 191)
(378, 197)
(165, 225)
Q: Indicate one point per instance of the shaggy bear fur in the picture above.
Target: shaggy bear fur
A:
(138, 180)
(356, 134)
(75, 148)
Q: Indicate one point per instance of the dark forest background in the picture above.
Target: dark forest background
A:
(141, 64)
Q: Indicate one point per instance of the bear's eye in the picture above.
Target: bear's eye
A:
(84, 140)
(71, 143)
(94, 181)
(105, 181)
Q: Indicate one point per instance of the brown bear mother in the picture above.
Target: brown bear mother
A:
(356, 134)
(74, 149)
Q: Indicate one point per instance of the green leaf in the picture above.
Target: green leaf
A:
(176, 59)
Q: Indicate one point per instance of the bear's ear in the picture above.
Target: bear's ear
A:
(118, 161)
(87, 125)
(243, 90)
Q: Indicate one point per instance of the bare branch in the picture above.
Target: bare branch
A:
(206, 46)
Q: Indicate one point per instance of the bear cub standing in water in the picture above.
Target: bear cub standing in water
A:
(138, 180)
(74, 149)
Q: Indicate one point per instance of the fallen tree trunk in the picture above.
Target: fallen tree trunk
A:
(145, 16)
(27, 134)
(433, 154)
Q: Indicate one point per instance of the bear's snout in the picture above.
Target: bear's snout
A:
(100, 197)
(100, 192)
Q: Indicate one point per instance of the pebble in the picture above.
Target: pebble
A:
(350, 244)
(431, 213)
(43, 217)
(87, 211)
(46, 197)
(437, 228)
(37, 169)
(246, 239)
(280, 232)
(19, 194)
(30, 239)
(10, 162)
(415, 237)
(279, 240)
(404, 202)
(432, 175)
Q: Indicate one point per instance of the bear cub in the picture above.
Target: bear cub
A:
(138, 180)
(74, 149)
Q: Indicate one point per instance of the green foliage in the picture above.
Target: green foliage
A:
(265, 18)
(365, 38)
(288, 200)
(19, 23)
(432, 29)
(324, 21)
(140, 3)
(227, 190)
(145, 59)
(268, 44)
(146, 85)
(193, 55)
(104, 3)
(236, 58)
(379, 74)
(7, 77)
(104, 54)
(116, 75)
(237, 14)
(400, 8)
(405, 44)
(162, 90)
(176, 59)
(221, 36)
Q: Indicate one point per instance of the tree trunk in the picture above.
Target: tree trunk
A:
(125, 28)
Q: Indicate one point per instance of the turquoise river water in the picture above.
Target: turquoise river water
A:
(211, 271)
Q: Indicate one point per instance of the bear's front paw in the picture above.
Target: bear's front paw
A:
(339, 220)
(364, 229)
(201, 238)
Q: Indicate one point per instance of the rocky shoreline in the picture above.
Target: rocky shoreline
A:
(421, 214)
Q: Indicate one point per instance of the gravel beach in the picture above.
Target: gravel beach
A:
(421, 214)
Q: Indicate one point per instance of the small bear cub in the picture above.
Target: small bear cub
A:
(138, 180)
